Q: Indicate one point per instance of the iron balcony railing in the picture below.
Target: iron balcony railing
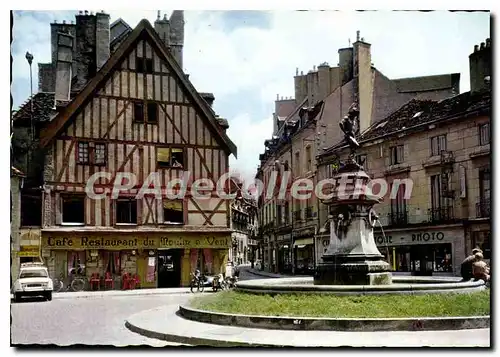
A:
(483, 208)
(399, 218)
(441, 214)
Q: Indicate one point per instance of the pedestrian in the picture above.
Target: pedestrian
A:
(466, 266)
(480, 269)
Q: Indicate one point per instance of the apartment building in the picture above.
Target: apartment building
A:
(131, 110)
(440, 151)
(307, 125)
(244, 245)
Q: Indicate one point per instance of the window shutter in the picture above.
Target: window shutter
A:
(400, 153)
(163, 155)
(442, 143)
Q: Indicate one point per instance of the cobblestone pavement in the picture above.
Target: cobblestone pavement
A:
(92, 321)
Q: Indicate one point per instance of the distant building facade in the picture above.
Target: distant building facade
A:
(443, 148)
(307, 125)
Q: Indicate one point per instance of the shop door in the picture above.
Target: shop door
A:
(421, 260)
(146, 269)
(169, 268)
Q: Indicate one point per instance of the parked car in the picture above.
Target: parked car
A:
(33, 280)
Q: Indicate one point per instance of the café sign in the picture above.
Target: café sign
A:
(124, 243)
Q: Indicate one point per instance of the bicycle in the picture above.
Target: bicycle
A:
(76, 284)
(197, 282)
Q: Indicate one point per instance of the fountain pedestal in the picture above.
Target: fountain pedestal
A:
(352, 257)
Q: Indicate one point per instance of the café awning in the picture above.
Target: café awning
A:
(303, 242)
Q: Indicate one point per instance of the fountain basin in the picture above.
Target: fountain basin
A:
(400, 285)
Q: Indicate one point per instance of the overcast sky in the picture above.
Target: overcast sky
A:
(246, 58)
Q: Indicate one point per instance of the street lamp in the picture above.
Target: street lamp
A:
(29, 58)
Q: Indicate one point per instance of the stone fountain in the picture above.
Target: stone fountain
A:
(352, 257)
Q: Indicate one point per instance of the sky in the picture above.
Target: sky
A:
(247, 58)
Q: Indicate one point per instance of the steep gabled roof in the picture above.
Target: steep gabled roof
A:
(143, 28)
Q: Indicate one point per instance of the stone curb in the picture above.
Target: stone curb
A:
(191, 341)
(100, 294)
(339, 324)
(402, 285)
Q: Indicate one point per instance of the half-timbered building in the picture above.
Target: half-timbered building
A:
(139, 114)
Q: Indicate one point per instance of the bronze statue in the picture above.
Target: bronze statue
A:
(348, 125)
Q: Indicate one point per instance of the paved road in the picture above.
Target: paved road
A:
(245, 274)
(91, 321)
(96, 320)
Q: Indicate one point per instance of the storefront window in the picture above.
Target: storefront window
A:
(423, 258)
(111, 262)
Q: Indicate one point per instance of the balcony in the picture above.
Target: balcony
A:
(441, 214)
(397, 219)
(483, 208)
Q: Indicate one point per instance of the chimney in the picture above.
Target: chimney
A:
(346, 64)
(300, 87)
(209, 98)
(92, 47)
(63, 67)
(55, 29)
(324, 81)
(162, 28)
(363, 81)
(480, 66)
(177, 35)
(102, 39)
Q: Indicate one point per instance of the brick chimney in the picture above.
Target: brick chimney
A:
(480, 66)
(63, 67)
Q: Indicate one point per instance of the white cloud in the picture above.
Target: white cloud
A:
(248, 135)
(263, 60)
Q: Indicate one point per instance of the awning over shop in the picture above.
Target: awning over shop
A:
(302, 242)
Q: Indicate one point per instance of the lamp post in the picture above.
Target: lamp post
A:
(29, 58)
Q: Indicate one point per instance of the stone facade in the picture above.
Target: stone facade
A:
(451, 211)
(333, 89)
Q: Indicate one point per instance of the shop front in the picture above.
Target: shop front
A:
(304, 255)
(423, 250)
(152, 259)
(284, 253)
(27, 250)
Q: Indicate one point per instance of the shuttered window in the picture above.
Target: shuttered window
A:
(173, 212)
(438, 144)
